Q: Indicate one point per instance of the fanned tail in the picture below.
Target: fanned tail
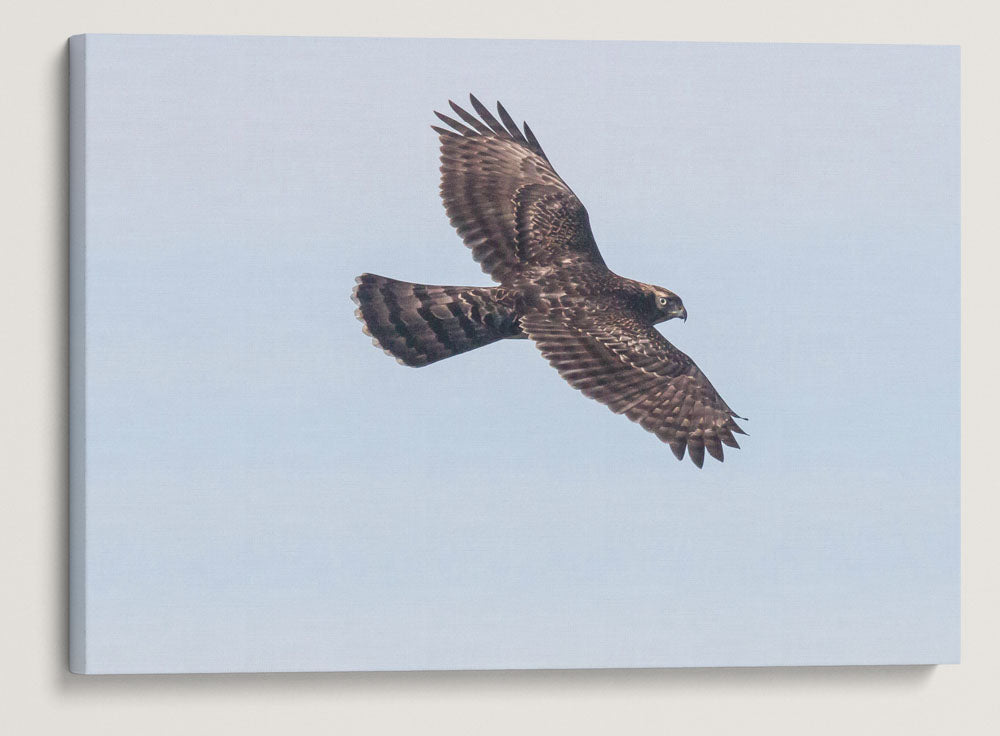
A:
(419, 324)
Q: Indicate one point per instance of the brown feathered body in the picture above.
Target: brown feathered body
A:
(531, 234)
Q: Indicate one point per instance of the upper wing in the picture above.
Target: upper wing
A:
(635, 371)
(505, 199)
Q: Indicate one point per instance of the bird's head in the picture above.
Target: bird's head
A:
(666, 305)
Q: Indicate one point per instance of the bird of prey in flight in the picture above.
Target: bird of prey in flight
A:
(532, 235)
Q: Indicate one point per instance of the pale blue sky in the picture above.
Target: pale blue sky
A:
(267, 491)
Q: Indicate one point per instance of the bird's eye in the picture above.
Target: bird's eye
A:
(663, 301)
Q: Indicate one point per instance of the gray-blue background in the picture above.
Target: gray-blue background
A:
(267, 491)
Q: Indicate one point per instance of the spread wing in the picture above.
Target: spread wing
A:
(635, 371)
(505, 199)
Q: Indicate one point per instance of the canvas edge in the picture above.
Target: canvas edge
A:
(77, 354)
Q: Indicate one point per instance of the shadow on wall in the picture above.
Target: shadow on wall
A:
(633, 681)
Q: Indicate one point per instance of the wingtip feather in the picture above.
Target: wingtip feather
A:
(451, 122)
(714, 447)
(678, 447)
(696, 451)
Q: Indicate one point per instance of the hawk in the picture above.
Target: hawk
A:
(532, 235)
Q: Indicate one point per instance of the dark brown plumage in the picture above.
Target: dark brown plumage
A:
(530, 233)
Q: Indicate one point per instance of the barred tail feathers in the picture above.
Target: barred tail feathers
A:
(419, 324)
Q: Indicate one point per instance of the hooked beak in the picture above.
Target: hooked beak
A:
(682, 313)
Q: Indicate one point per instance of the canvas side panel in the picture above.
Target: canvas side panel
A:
(77, 354)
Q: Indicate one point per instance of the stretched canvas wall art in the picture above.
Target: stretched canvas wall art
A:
(751, 251)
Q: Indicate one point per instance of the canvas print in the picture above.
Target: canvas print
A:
(254, 487)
